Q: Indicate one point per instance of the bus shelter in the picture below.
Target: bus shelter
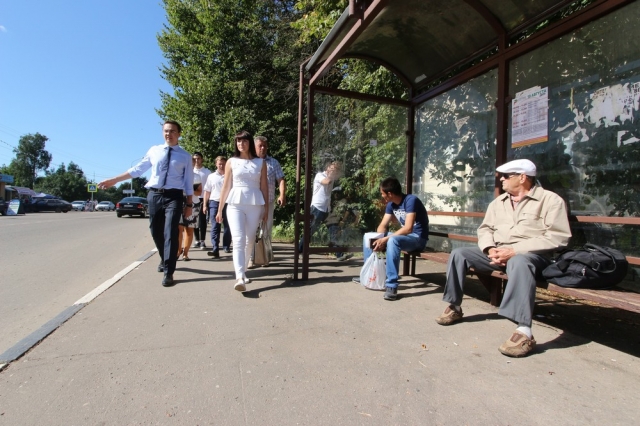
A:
(484, 82)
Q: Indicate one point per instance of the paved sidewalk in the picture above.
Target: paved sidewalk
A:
(322, 352)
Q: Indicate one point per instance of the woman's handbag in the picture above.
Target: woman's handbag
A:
(263, 249)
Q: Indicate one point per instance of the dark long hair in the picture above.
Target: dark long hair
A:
(243, 134)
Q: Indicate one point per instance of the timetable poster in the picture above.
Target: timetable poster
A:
(530, 117)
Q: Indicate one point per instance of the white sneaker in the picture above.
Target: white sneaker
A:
(246, 280)
(240, 285)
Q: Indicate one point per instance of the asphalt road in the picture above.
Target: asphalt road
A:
(50, 260)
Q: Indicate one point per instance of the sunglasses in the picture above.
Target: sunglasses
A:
(509, 176)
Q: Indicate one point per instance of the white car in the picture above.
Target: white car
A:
(78, 205)
(105, 206)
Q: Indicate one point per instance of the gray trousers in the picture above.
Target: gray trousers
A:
(520, 292)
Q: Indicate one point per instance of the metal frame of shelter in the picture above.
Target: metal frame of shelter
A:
(364, 22)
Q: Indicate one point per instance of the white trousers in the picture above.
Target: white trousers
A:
(243, 222)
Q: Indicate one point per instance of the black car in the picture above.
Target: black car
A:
(51, 205)
(132, 206)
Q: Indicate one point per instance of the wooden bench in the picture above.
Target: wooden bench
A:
(495, 282)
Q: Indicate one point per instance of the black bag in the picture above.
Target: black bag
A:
(592, 267)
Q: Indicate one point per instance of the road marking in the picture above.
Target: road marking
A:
(117, 277)
(108, 283)
(20, 348)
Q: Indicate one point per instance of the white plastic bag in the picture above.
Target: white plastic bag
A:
(374, 273)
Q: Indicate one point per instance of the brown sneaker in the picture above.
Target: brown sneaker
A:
(518, 345)
(449, 316)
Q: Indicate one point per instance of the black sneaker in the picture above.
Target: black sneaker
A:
(391, 293)
(227, 250)
(197, 244)
(214, 253)
(345, 256)
(356, 280)
(203, 246)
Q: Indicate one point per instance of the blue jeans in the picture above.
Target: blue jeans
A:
(395, 245)
(215, 227)
(317, 217)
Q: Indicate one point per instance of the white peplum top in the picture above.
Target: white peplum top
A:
(245, 188)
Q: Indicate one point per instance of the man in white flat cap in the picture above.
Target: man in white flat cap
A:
(519, 233)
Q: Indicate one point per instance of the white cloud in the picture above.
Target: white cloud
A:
(3, 29)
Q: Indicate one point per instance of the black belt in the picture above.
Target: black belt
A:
(165, 190)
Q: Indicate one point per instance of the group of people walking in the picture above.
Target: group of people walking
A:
(182, 193)
(520, 231)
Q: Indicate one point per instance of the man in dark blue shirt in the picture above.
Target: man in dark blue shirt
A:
(412, 236)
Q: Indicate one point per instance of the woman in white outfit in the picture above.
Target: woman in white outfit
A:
(245, 191)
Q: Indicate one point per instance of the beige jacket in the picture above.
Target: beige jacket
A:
(539, 223)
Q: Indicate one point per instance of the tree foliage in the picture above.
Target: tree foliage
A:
(68, 183)
(31, 157)
(233, 65)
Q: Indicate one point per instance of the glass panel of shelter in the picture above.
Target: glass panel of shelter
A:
(592, 155)
(454, 156)
(350, 134)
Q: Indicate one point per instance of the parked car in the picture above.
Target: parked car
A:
(52, 205)
(132, 206)
(105, 206)
(78, 205)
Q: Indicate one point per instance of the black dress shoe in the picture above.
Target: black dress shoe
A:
(167, 281)
(161, 268)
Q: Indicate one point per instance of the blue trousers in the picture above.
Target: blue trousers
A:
(165, 210)
(317, 217)
(395, 245)
(215, 227)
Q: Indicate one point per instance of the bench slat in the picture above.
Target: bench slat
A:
(616, 298)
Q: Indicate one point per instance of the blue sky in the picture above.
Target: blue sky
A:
(85, 74)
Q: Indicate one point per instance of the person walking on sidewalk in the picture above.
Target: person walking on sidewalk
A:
(212, 191)
(520, 231)
(201, 230)
(274, 175)
(171, 175)
(245, 192)
(412, 236)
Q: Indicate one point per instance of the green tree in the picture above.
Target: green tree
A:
(31, 157)
(68, 183)
(234, 65)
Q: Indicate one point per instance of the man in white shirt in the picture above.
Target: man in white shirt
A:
(212, 190)
(200, 232)
(321, 199)
(274, 175)
(171, 176)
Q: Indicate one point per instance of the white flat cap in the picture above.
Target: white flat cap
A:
(518, 166)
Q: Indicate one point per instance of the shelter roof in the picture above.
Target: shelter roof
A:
(421, 40)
